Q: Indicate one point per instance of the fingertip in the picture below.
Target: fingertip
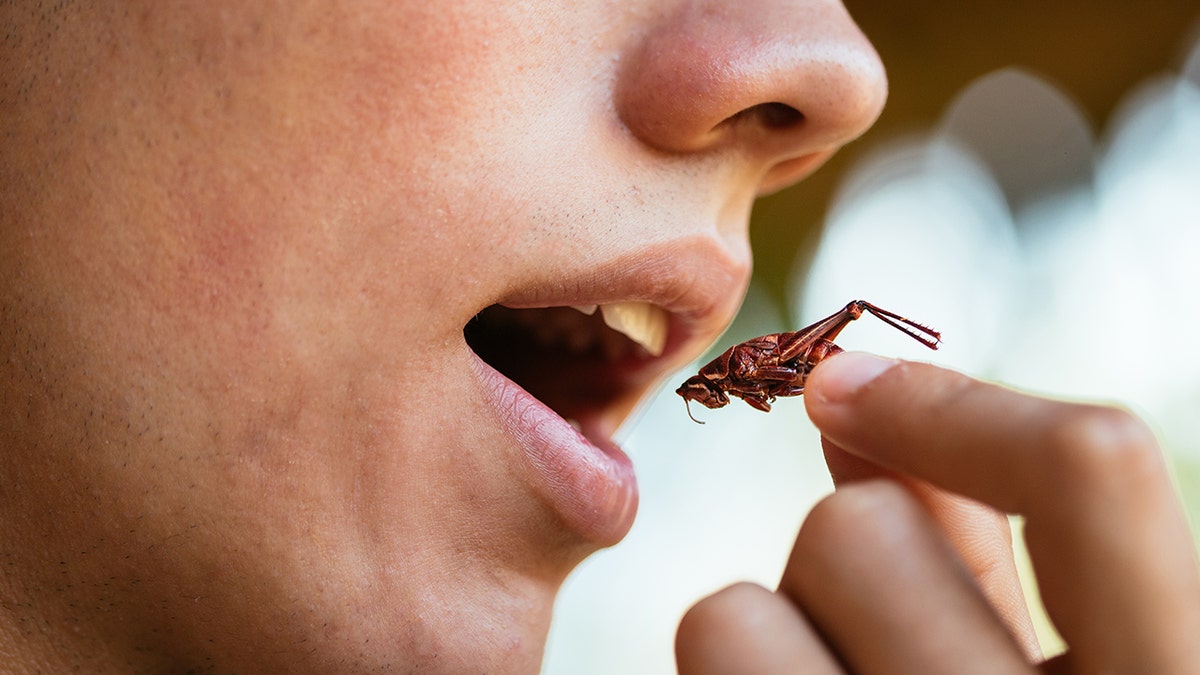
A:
(747, 628)
(876, 407)
(700, 640)
(834, 384)
(839, 378)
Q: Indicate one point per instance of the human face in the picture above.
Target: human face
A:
(242, 249)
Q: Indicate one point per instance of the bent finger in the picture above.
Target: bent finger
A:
(979, 534)
(876, 576)
(747, 629)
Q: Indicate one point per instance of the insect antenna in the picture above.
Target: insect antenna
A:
(923, 334)
(688, 404)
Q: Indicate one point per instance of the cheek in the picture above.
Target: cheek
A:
(313, 189)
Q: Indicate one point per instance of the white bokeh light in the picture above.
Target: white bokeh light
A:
(919, 230)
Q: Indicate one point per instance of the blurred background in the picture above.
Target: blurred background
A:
(1032, 190)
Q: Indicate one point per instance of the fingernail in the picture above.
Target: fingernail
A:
(842, 376)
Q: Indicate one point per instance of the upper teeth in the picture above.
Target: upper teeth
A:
(642, 322)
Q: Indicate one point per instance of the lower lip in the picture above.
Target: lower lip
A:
(590, 484)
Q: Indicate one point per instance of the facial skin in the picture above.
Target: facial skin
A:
(240, 425)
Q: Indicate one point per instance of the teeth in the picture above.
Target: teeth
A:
(642, 322)
(585, 309)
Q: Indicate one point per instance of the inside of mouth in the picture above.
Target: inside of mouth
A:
(570, 361)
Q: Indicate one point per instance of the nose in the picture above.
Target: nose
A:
(785, 82)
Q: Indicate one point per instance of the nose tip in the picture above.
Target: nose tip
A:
(778, 79)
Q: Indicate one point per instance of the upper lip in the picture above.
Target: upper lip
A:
(698, 280)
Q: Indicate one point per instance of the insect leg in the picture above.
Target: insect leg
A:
(757, 400)
(771, 373)
(923, 334)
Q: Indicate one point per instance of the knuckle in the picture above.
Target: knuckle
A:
(741, 600)
(736, 614)
(872, 511)
(1100, 445)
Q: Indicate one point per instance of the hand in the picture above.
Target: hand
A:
(896, 573)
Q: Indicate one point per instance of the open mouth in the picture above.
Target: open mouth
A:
(561, 377)
(579, 361)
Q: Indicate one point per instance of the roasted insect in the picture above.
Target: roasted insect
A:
(760, 369)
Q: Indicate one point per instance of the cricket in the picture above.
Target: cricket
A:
(769, 366)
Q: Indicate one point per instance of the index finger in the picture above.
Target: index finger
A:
(1105, 533)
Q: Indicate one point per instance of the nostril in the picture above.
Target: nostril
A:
(772, 116)
(778, 79)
